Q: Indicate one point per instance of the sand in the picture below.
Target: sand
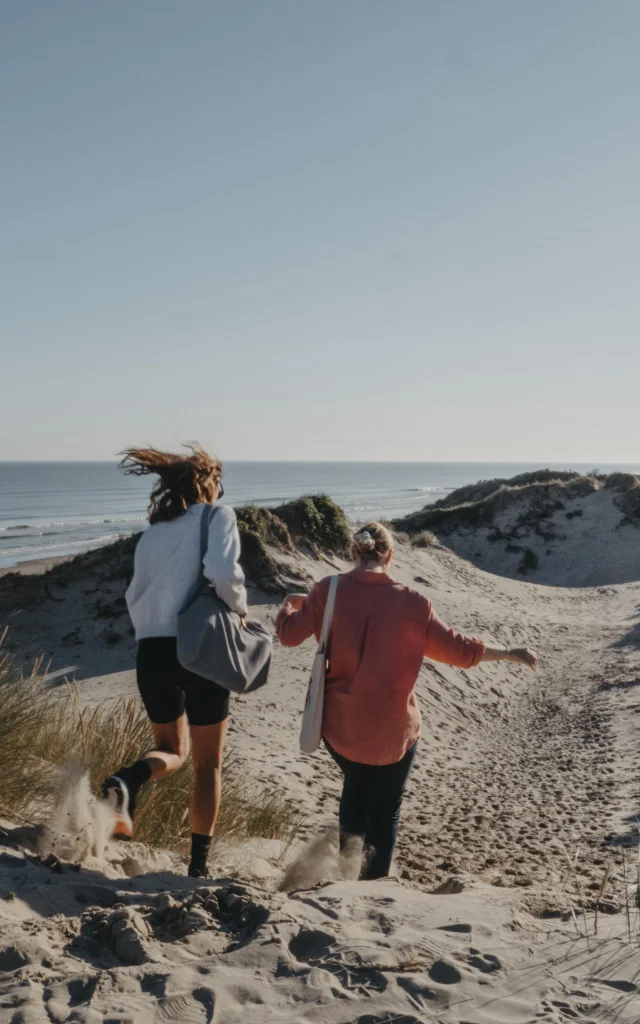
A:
(36, 566)
(516, 774)
(577, 557)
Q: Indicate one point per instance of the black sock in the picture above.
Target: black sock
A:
(134, 777)
(200, 846)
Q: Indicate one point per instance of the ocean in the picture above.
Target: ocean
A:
(49, 509)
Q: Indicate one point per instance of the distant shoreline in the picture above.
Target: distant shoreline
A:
(36, 566)
(52, 510)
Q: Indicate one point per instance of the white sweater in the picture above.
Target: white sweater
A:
(167, 566)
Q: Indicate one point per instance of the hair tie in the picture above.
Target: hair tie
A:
(365, 541)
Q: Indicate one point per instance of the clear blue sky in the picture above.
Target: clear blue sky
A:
(361, 229)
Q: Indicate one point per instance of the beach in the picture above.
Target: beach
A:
(294, 292)
(519, 822)
(54, 509)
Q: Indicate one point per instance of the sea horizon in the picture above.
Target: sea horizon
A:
(59, 507)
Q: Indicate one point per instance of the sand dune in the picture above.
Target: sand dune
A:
(516, 772)
(573, 532)
(77, 946)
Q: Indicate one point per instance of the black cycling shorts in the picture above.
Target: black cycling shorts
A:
(168, 690)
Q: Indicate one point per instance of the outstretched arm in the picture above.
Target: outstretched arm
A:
(518, 655)
(444, 644)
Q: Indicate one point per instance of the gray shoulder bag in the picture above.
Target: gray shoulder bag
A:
(215, 642)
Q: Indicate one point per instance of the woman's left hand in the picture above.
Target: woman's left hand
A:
(523, 656)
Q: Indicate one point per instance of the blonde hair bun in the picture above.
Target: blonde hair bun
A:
(364, 541)
(373, 542)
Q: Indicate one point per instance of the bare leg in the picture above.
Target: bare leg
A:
(171, 750)
(121, 789)
(207, 742)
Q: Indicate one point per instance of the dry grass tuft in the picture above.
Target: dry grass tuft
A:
(40, 732)
(425, 539)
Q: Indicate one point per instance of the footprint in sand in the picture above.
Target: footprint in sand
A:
(485, 962)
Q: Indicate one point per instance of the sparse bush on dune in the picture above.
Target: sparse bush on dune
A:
(528, 562)
(484, 488)
(627, 486)
(537, 496)
(41, 731)
(425, 539)
(621, 481)
(261, 530)
(253, 519)
(315, 522)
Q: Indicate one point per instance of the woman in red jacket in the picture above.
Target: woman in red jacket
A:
(381, 632)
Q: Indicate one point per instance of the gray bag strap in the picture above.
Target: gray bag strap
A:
(206, 516)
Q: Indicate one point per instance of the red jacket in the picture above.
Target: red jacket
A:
(381, 632)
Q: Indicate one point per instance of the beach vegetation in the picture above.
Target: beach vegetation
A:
(42, 729)
(524, 505)
(484, 488)
(261, 531)
(317, 521)
(425, 539)
(627, 486)
(528, 562)
(314, 522)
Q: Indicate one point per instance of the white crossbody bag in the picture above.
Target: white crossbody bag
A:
(311, 729)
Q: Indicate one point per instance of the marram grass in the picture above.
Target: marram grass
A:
(41, 730)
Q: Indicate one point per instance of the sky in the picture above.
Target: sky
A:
(318, 229)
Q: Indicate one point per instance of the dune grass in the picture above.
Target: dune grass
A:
(627, 486)
(533, 502)
(40, 731)
(425, 539)
(313, 522)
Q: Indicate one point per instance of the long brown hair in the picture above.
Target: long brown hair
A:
(183, 479)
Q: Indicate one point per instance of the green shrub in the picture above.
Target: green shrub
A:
(425, 539)
(627, 498)
(40, 732)
(260, 530)
(528, 562)
(484, 488)
(318, 521)
(536, 498)
(621, 481)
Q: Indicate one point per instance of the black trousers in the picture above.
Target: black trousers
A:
(370, 807)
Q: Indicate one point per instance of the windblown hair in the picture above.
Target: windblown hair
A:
(183, 479)
(372, 543)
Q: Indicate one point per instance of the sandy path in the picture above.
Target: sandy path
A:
(512, 766)
(513, 769)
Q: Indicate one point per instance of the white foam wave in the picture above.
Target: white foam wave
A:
(74, 523)
(38, 550)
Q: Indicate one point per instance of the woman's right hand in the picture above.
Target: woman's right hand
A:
(523, 656)
(292, 603)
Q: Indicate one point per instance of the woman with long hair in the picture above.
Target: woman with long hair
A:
(185, 710)
(380, 633)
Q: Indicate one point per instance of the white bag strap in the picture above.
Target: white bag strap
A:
(328, 613)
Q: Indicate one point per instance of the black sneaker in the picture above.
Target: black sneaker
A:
(116, 792)
(194, 872)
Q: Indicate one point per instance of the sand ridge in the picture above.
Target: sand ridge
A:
(516, 773)
(580, 532)
(77, 946)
